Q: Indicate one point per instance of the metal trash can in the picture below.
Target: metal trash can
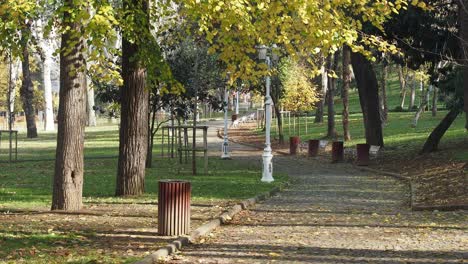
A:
(313, 147)
(294, 145)
(362, 154)
(337, 151)
(174, 207)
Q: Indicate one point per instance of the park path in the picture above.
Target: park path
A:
(332, 213)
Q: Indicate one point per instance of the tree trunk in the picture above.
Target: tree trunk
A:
(279, 120)
(27, 88)
(402, 79)
(434, 101)
(321, 104)
(464, 47)
(134, 116)
(369, 98)
(412, 96)
(13, 76)
(332, 63)
(345, 92)
(47, 60)
(383, 95)
(433, 140)
(68, 177)
(421, 108)
(91, 114)
(151, 134)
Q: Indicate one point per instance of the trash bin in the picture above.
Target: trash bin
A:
(174, 207)
(313, 147)
(337, 151)
(233, 117)
(294, 145)
(362, 154)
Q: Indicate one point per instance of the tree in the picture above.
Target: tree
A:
(383, 91)
(300, 94)
(332, 64)
(369, 98)
(345, 92)
(69, 167)
(324, 91)
(133, 136)
(15, 38)
(463, 19)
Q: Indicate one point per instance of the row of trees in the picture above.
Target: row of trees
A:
(150, 34)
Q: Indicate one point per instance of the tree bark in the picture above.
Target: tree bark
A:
(134, 117)
(13, 77)
(432, 142)
(369, 98)
(463, 4)
(332, 63)
(345, 92)
(47, 50)
(402, 79)
(421, 108)
(68, 177)
(434, 101)
(412, 96)
(321, 104)
(27, 88)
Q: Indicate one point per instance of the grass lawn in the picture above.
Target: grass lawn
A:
(110, 229)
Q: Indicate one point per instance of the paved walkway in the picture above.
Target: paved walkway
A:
(332, 213)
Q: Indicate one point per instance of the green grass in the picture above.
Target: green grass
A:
(398, 133)
(28, 182)
(27, 185)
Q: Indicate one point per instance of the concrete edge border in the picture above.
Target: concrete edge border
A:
(387, 173)
(207, 228)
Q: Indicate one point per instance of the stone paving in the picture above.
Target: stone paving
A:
(333, 213)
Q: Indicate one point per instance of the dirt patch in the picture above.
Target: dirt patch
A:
(102, 233)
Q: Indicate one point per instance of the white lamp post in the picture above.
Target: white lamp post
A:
(267, 156)
(225, 147)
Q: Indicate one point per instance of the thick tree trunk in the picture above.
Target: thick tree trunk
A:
(134, 117)
(434, 101)
(463, 13)
(332, 63)
(383, 93)
(402, 79)
(345, 92)
(433, 140)
(321, 104)
(369, 98)
(27, 89)
(91, 114)
(68, 177)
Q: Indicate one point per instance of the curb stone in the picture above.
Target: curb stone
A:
(205, 229)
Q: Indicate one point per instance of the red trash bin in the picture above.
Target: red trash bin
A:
(337, 151)
(362, 154)
(174, 207)
(294, 145)
(313, 147)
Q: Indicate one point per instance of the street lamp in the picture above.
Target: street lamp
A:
(225, 147)
(264, 54)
